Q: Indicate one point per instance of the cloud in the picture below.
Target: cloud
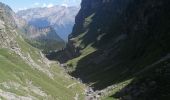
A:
(71, 2)
(47, 5)
(44, 5)
(21, 9)
(36, 4)
(65, 5)
(50, 5)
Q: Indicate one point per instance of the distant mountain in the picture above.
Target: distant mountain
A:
(61, 18)
(45, 38)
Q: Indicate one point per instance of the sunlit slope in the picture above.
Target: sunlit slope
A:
(18, 79)
(25, 74)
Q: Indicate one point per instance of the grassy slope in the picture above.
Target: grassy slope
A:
(14, 69)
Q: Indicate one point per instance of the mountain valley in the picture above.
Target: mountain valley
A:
(116, 50)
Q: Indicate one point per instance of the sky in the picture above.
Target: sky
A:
(25, 4)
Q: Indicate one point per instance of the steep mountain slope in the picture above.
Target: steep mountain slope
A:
(45, 38)
(115, 42)
(25, 73)
(61, 18)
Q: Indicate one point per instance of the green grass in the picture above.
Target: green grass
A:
(116, 89)
(73, 62)
(14, 69)
(46, 45)
(88, 20)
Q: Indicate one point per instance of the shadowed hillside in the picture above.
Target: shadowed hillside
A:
(114, 41)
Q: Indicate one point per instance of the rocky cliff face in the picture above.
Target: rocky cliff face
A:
(7, 26)
(120, 40)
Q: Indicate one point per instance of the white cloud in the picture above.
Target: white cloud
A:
(36, 4)
(65, 5)
(47, 5)
(72, 2)
(50, 5)
(21, 9)
(44, 5)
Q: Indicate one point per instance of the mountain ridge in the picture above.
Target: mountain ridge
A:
(59, 17)
(44, 38)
